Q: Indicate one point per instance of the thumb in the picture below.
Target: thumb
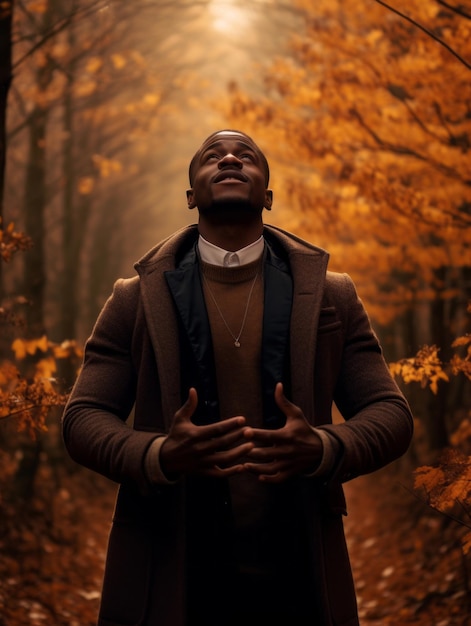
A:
(282, 401)
(280, 398)
(189, 407)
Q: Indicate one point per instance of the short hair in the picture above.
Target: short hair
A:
(250, 141)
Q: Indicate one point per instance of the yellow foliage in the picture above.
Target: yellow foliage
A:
(12, 242)
(30, 399)
(23, 347)
(60, 50)
(8, 373)
(457, 490)
(360, 108)
(138, 59)
(152, 99)
(461, 365)
(85, 88)
(425, 368)
(374, 36)
(105, 166)
(118, 61)
(447, 486)
(462, 434)
(447, 483)
(44, 97)
(85, 185)
(46, 368)
(94, 64)
(66, 349)
(37, 6)
(462, 341)
(429, 478)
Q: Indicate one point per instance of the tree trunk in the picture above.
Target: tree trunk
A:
(34, 210)
(72, 230)
(440, 335)
(6, 10)
(34, 282)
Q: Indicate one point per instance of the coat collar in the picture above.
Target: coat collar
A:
(308, 266)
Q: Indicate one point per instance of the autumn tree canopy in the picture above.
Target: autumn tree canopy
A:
(369, 124)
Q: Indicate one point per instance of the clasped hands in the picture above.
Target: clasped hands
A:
(230, 446)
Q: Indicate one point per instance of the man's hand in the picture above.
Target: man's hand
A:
(211, 450)
(289, 451)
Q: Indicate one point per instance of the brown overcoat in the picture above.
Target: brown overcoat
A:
(131, 373)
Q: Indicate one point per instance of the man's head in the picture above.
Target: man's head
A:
(229, 174)
(214, 137)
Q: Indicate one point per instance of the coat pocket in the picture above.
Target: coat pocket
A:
(328, 320)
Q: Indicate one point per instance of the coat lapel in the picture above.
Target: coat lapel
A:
(309, 273)
(162, 324)
(278, 298)
(308, 266)
(187, 291)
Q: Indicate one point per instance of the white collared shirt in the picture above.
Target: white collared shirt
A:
(218, 256)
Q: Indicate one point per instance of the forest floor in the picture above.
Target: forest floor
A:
(407, 560)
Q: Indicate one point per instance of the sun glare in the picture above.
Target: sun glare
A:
(227, 17)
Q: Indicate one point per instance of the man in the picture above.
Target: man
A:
(229, 350)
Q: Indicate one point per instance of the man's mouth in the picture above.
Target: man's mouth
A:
(230, 177)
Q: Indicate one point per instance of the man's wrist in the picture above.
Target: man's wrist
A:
(152, 465)
(329, 454)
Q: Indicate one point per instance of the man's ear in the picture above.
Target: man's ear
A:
(190, 196)
(268, 199)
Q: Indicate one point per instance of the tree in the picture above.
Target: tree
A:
(5, 80)
(371, 152)
(84, 103)
(88, 95)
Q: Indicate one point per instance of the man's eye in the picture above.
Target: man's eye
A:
(247, 157)
(211, 157)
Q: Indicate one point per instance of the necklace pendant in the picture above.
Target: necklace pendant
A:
(236, 338)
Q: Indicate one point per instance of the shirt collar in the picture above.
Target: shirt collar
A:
(218, 256)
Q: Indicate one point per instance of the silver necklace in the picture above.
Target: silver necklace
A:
(234, 337)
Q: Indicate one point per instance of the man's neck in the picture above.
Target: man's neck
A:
(230, 236)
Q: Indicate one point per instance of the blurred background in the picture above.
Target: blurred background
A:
(363, 109)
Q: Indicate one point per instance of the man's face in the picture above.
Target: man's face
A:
(229, 175)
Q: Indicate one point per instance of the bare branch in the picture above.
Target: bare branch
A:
(456, 9)
(426, 31)
(404, 150)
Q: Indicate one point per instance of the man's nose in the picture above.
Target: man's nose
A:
(230, 159)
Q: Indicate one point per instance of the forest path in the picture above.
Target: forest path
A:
(406, 559)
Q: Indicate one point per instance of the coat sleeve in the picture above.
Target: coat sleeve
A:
(94, 424)
(378, 424)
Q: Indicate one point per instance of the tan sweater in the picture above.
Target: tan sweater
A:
(238, 373)
(229, 293)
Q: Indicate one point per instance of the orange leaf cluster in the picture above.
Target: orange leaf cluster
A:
(462, 363)
(425, 368)
(447, 487)
(29, 400)
(11, 242)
